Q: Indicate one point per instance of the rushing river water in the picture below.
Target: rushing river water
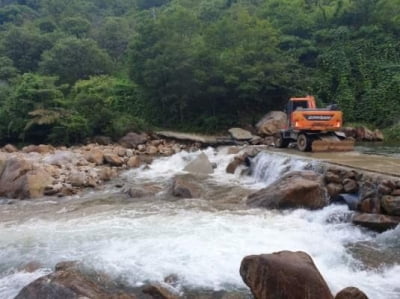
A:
(202, 240)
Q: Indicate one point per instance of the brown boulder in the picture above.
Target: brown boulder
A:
(157, 291)
(334, 189)
(376, 222)
(200, 165)
(240, 134)
(370, 205)
(102, 140)
(331, 177)
(113, 159)
(364, 134)
(396, 192)
(283, 275)
(349, 132)
(272, 123)
(41, 149)
(350, 186)
(69, 283)
(378, 135)
(132, 140)
(9, 148)
(185, 186)
(20, 180)
(151, 150)
(134, 162)
(391, 205)
(297, 189)
(95, 156)
(237, 161)
(77, 179)
(106, 173)
(351, 293)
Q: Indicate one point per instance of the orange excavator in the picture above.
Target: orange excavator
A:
(313, 129)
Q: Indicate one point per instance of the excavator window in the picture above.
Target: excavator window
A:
(300, 105)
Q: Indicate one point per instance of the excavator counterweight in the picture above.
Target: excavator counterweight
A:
(313, 129)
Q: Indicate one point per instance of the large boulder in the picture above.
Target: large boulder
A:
(102, 140)
(20, 180)
(376, 222)
(297, 189)
(157, 291)
(240, 134)
(132, 140)
(391, 204)
(61, 158)
(272, 123)
(351, 293)
(284, 275)
(200, 165)
(364, 134)
(68, 282)
(41, 149)
(237, 161)
(113, 159)
(9, 148)
(95, 156)
(185, 186)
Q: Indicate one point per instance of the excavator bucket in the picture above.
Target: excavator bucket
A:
(332, 144)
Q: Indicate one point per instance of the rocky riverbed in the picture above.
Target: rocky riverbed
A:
(180, 220)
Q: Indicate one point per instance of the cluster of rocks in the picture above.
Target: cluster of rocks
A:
(362, 133)
(38, 170)
(376, 198)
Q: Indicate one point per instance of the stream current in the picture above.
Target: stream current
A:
(201, 240)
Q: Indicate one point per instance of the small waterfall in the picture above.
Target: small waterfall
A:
(268, 167)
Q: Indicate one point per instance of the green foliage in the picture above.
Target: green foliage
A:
(113, 102)
(72, 59)
(76, 26)
(200, 65)
(24, 47)
(30, 92)
(392, 134)
(113, 36)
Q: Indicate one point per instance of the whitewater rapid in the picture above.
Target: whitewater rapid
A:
(136, 242)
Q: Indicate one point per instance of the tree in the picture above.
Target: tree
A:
(30, 92)
(113, 36)
(76, 26)
(24, 47)
(72, 59)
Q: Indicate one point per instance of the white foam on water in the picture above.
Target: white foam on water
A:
(11, 283)
(165, 168)
(203, 248)
(268, 167)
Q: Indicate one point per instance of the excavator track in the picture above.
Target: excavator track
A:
(332, 144)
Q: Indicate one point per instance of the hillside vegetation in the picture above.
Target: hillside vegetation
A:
(78, 68)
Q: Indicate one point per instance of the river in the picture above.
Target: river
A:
(201, 240)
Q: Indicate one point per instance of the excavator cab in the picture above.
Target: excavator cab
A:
(313, 128)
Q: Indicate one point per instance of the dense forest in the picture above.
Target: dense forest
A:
(71, 69)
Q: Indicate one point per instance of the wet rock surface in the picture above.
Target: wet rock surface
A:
(298, 189)
(283, 275)
(272, 123)
(200, 165)
(376, 222)
(351, 293)
(70, 282)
